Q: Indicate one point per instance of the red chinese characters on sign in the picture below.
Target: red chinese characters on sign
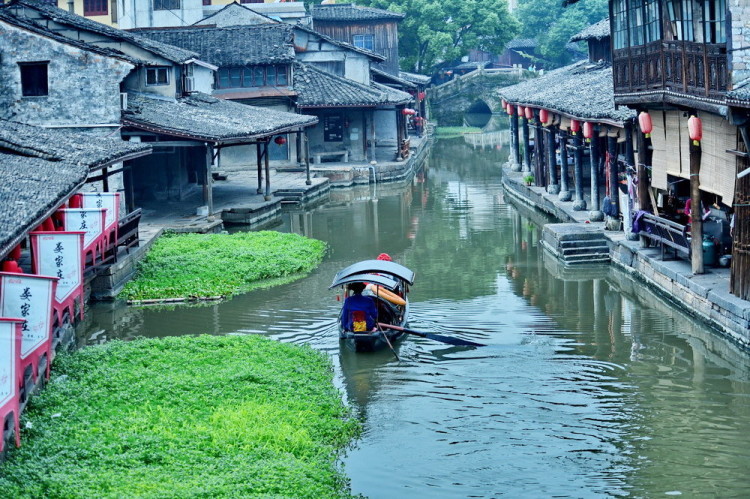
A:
(30, 297)
(109, 201)
(91, 221)
(10, 373)
(59, 254)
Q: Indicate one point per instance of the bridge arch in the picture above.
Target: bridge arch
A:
(478, 114)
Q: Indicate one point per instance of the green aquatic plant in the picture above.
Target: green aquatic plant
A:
(455, 131)
(210, 265)
(206, 416)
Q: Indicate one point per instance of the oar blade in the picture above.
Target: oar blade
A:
(453, 341)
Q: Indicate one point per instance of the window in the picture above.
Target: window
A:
(252, 1)
(95, 7)
(635, 22)
(166, 4)
(364, 41)
(652, 26)
(253, 76)
(620, 14)
(333, 67)
(680, 14)
(714, 21)
(34, 79)
(157, 76)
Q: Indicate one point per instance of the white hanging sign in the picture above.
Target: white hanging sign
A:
(109, 201)
(58, 254)
(8, 355)
(28, 297)
(88, 220)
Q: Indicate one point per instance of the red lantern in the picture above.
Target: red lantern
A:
(421, 95)
(695, 127)
(511, 109)
(504, 103)
(644, 121)
(588, 130)
(280, 140)
(520, 111)
(75, 201)
(544, 116)
(48, 225)
(12, 267)
(575, 126)
(15, 254)
(529, 113)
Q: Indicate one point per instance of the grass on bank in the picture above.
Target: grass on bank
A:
(206, 416)
(455, 131)
(209, 265)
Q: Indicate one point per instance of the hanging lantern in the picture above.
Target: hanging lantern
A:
(529, 113)
(12, 267)
(280, 140)
(421, 95)
(575, 126)
(75, 201)
(588, 130)
(504, 103)
(511, 109)
(15, 254)
(544, 116)
(520, 111)
(48, 225)
(407, 111)
(644, 121)
(695, 127)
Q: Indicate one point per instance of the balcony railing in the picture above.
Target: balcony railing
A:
(694, 69)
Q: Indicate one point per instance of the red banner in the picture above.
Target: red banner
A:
(30, 297)
(10, 372)
(59, 254)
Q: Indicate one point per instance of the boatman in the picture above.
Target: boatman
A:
(359, 313)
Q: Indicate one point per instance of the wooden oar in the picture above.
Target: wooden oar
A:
(385, 336)
(437, 337)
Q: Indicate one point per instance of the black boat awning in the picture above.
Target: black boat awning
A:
(383, 280)
(377, 266)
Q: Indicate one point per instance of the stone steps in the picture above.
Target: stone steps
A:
(574, 244)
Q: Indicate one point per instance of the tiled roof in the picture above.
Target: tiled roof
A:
(232, 45)
(392, 95)
(351, 12)
(205, 118)
(27, 24)
(415, 78)
(235, 14)
(47, 11)
(597, 31)
(318, 88)
(30, 188)
(583, 90)
(76, 148)
(518, 43)
(383, 76)
(339, 43)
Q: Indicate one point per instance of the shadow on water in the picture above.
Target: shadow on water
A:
(590, 386)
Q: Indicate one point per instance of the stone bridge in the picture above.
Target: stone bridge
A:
(471, 99)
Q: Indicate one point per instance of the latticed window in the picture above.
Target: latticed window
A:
(366, 42)
(166, 4)
(253, 76)
(680, 14)
(652, 25)
(714, 21)
(95, 7)
(635, 22)
(620, 14)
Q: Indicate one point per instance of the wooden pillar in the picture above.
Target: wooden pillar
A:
(306, 142)
(526, 168)
(552, 186)
(299, 147)
(565, 193)
(260, 168)
(696, 216)
(579, 204)
(595, 215)
(105, 179)
(208, 195)
(614, 193)
(539, 176)
(641, 172)
(515, 163)
(267, 195)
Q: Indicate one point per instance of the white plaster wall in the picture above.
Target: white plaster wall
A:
(139, 14)
(386, 132)
(204, 79)
(357, 68)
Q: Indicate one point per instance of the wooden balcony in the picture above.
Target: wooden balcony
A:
(686, 69)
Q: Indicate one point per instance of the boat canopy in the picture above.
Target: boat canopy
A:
(379, 267)
(383, 280)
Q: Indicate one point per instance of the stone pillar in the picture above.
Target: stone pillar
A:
(696, 213)
(259, 157)
(579, 204)
(526, 168)
(539, 152)
(643, 160)
(515, 163)
(552, 186)
(595, 214)
(614, 194)
(208, 195)
(306, 144)
(565, 193)
(267, 196)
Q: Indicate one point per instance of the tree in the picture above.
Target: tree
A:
(552, 24)
(434, 31)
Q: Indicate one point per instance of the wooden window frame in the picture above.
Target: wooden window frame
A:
(95, 7)
(156, 70)
(252, 73)
(167, 4)
(360, 41)
(30, 87)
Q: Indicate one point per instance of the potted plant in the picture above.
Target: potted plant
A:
(528, 179)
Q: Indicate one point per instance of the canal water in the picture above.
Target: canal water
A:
(590, 385)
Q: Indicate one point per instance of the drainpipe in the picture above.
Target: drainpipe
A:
(595, 214)
(580, 202)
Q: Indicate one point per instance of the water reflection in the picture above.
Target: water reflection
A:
(590, 386)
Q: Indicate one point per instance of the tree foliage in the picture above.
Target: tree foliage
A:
(552, 24)
(441, 30)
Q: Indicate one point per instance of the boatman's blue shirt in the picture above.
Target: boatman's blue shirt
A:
(359, 303)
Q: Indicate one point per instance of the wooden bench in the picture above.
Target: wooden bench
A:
(127, 230)
(327, 154)
(665, 233)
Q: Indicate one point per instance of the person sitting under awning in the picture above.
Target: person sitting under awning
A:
(359, 313)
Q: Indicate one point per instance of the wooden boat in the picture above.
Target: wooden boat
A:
(388, 284)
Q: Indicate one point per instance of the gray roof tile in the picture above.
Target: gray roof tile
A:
(415, 78)
(206, 118)
(596, 31)
(235, 14)
(318, 88)
(351, 12)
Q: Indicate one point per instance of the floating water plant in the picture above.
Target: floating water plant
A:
(214, 265)
(206, 416)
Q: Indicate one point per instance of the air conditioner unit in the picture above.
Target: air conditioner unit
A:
(123, 100)
(189, 84)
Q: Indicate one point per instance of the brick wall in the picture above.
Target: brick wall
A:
(739, 37)
(84, 87)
